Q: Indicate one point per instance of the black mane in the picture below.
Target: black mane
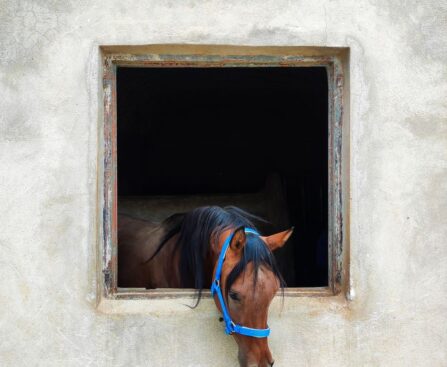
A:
(201, 226)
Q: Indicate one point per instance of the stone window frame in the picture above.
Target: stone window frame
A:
(336, 62)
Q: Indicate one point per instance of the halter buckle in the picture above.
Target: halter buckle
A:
(232, 328)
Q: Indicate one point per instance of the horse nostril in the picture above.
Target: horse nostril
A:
(271, 364)
(220, 319)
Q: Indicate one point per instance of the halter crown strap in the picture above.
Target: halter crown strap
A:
(230, 326)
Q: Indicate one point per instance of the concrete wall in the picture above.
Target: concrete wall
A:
(397, 312)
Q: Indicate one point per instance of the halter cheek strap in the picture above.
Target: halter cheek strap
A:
(230, 326)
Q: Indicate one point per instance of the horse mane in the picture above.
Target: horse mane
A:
(200, 227)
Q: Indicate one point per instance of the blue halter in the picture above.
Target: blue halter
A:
(230, 326)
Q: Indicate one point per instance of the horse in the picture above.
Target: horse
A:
(209, 247)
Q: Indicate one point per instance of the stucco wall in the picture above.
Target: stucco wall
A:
(397, 313)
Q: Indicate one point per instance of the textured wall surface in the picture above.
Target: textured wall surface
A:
(397, 315)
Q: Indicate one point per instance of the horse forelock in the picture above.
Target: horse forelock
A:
(257, 253)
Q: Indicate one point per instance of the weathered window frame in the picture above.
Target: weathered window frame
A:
(335, 60)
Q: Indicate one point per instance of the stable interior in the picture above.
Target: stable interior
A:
(253, 137)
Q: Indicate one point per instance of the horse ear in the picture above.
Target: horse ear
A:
(277, 240)
(239, 239)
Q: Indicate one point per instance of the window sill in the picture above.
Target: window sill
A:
(162, 302)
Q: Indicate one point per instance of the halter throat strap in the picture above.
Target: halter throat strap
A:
(230, 326)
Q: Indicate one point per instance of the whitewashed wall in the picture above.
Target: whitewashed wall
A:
(49, 56)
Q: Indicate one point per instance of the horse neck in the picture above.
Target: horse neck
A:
(160, 271)
(167, 263)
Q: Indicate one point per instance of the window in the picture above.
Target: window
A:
(196, 129)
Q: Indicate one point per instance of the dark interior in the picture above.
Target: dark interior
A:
(189, 131)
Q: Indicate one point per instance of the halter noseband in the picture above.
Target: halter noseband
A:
(230, 326)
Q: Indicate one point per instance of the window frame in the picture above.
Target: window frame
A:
(335, 60)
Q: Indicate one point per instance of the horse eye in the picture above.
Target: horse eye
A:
(234, 296)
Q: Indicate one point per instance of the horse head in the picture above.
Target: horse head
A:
(249, 279)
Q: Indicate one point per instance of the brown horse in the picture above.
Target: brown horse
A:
(183, 251)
